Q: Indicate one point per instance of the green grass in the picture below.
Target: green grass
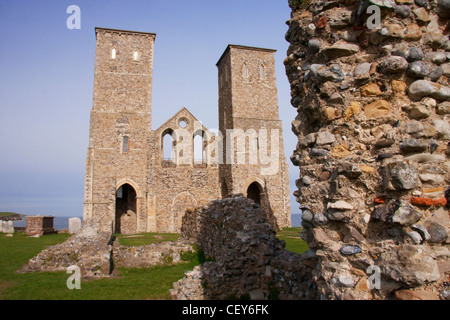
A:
(146, 238)
(293, 241)
(146, 283)
(139, 284)
(5, 214)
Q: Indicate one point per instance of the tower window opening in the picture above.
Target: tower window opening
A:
(262, 72)
(245, 71)
(135, 55)
(113, 53)
(125, 144)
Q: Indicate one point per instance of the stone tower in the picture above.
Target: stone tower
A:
(254, 162)
(120, 129)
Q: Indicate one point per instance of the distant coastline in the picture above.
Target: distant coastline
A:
(11, 216)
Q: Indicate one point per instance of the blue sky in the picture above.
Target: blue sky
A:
(47, 75)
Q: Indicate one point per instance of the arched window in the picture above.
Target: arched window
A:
(113, 53)
(262, 72)
(135, 55)
(245, 70)
(167, 146)
(198, 148)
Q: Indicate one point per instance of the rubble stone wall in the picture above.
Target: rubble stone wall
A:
(373, 146)
(246, 258)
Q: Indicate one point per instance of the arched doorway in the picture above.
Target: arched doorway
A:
(126, 217)
(254, 192)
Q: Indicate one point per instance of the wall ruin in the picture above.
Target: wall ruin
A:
(373, 144)
(246, 260)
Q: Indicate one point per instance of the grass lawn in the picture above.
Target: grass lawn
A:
(293, 241)
(146, 238)
(146, 283)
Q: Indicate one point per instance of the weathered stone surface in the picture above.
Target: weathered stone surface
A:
(443, 8)
(400, 175)
(74, 225)
(317, 152)
(314, 45)
(370, 90)
(415, 54)
(422, 231)
(418, 69)
(377, 109)
(7, 227)
(421, 14)
(415, 237)
(393, 65)
(416, 295)
(384, 3)
(424, 88)
(413, 145)
(340, 49)
(396, 211)
(409, 264)
(385, 143)
(417, 111)
(437, 232)
(425, 157)
(436, 73)
(340, 205)
(350, 250)
(362, 70)
(330, 73)
(431, 178)
(442, 128)
(325, 138)
(443, 108)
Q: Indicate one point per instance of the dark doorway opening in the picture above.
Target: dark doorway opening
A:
(254, 192)
(126, 218)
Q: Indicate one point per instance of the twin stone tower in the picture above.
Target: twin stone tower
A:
(143, 180)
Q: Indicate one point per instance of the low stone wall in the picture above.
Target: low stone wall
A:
(248, 261)
(145, 256)
(39, 225)
(99, 253)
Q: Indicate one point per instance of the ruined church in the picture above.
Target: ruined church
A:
(143, 180)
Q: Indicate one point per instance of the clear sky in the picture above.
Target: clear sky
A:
(47, 73)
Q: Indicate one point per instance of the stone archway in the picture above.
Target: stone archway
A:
(255, 192)
(181, 202)
(126, 210)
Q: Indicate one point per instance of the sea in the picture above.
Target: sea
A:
(296, 220)
(59, 223)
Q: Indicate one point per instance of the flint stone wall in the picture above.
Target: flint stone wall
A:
(373, 144)
(247, 260)
(39, 225)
